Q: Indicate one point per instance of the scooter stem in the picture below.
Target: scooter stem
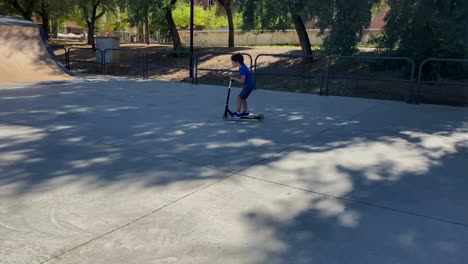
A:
(226, 108)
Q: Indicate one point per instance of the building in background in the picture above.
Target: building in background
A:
(204, 3)
(73, 28)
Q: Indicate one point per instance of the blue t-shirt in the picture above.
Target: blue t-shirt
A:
(249, 81)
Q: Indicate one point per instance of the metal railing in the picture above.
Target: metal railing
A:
(342, 77)
(98, 58)
(282, 73)
(65, 54)
(420, 81)
(141, 63)
(197, 60)
(101, 60)
(169, 66)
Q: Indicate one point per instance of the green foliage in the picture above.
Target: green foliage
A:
(6, 9)
(95, 9)
(75, 15)
(59, 8)
(379, 7)
(266, 14)
(114, 21)
(210, 18)
(181, 14)
(426, 28)
(158, 22)
(347, 21)
(25, 8)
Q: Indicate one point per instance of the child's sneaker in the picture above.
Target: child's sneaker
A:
(244, 114)
(235, 115)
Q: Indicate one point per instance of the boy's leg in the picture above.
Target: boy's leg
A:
(242, 99)
(245, 105)
(239, 104)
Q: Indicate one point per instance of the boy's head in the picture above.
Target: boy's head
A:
(237, 59)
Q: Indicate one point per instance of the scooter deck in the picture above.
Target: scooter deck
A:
(228, 113)
(257, 117)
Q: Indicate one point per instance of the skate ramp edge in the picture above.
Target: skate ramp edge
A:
(26, 55)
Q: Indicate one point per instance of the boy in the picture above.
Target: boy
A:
(247, 81)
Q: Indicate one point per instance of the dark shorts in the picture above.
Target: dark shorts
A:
(244, 94)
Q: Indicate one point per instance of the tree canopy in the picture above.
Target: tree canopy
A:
(427, 28)
(341, 22)
(414, 28)
(346, 22)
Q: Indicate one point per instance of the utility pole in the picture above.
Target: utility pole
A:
(191, 38)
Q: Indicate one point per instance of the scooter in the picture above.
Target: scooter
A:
(228, 114)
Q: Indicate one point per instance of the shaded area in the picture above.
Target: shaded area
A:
(80, 160)
(370, 77)
(351, 78)
(456, 95)
(449, 82)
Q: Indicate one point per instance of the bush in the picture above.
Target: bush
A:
(210, 18)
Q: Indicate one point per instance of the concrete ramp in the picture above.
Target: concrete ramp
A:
(25, 54)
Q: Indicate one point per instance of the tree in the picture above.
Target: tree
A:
(176, 42)
(52, 10)
(346, 22)
(210, 18)
(47, 9)
(140, 11)
(6, 8)
(227, 7)
(92, 10)
(44, 10)
(278, 15)
(23, 7)
(300, 28)
(426, 28)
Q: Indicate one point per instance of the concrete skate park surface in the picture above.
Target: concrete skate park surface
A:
(148, 172)
(24, 54)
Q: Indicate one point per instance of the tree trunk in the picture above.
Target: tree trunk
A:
(147, 33)
(92, 22)
(231, 25)
(55, 27)
(227, 8)
(141, 31)
(303, 37)
(45, 18)
(28, 15)
(91, 33)
(26, 12)
(45, 24)
(176, 43)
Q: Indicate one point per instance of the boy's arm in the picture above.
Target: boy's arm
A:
(241, 79)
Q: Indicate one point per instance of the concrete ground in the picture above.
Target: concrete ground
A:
(148, 172)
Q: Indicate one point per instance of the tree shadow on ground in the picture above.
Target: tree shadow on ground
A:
(392, 195)
(134, 139)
